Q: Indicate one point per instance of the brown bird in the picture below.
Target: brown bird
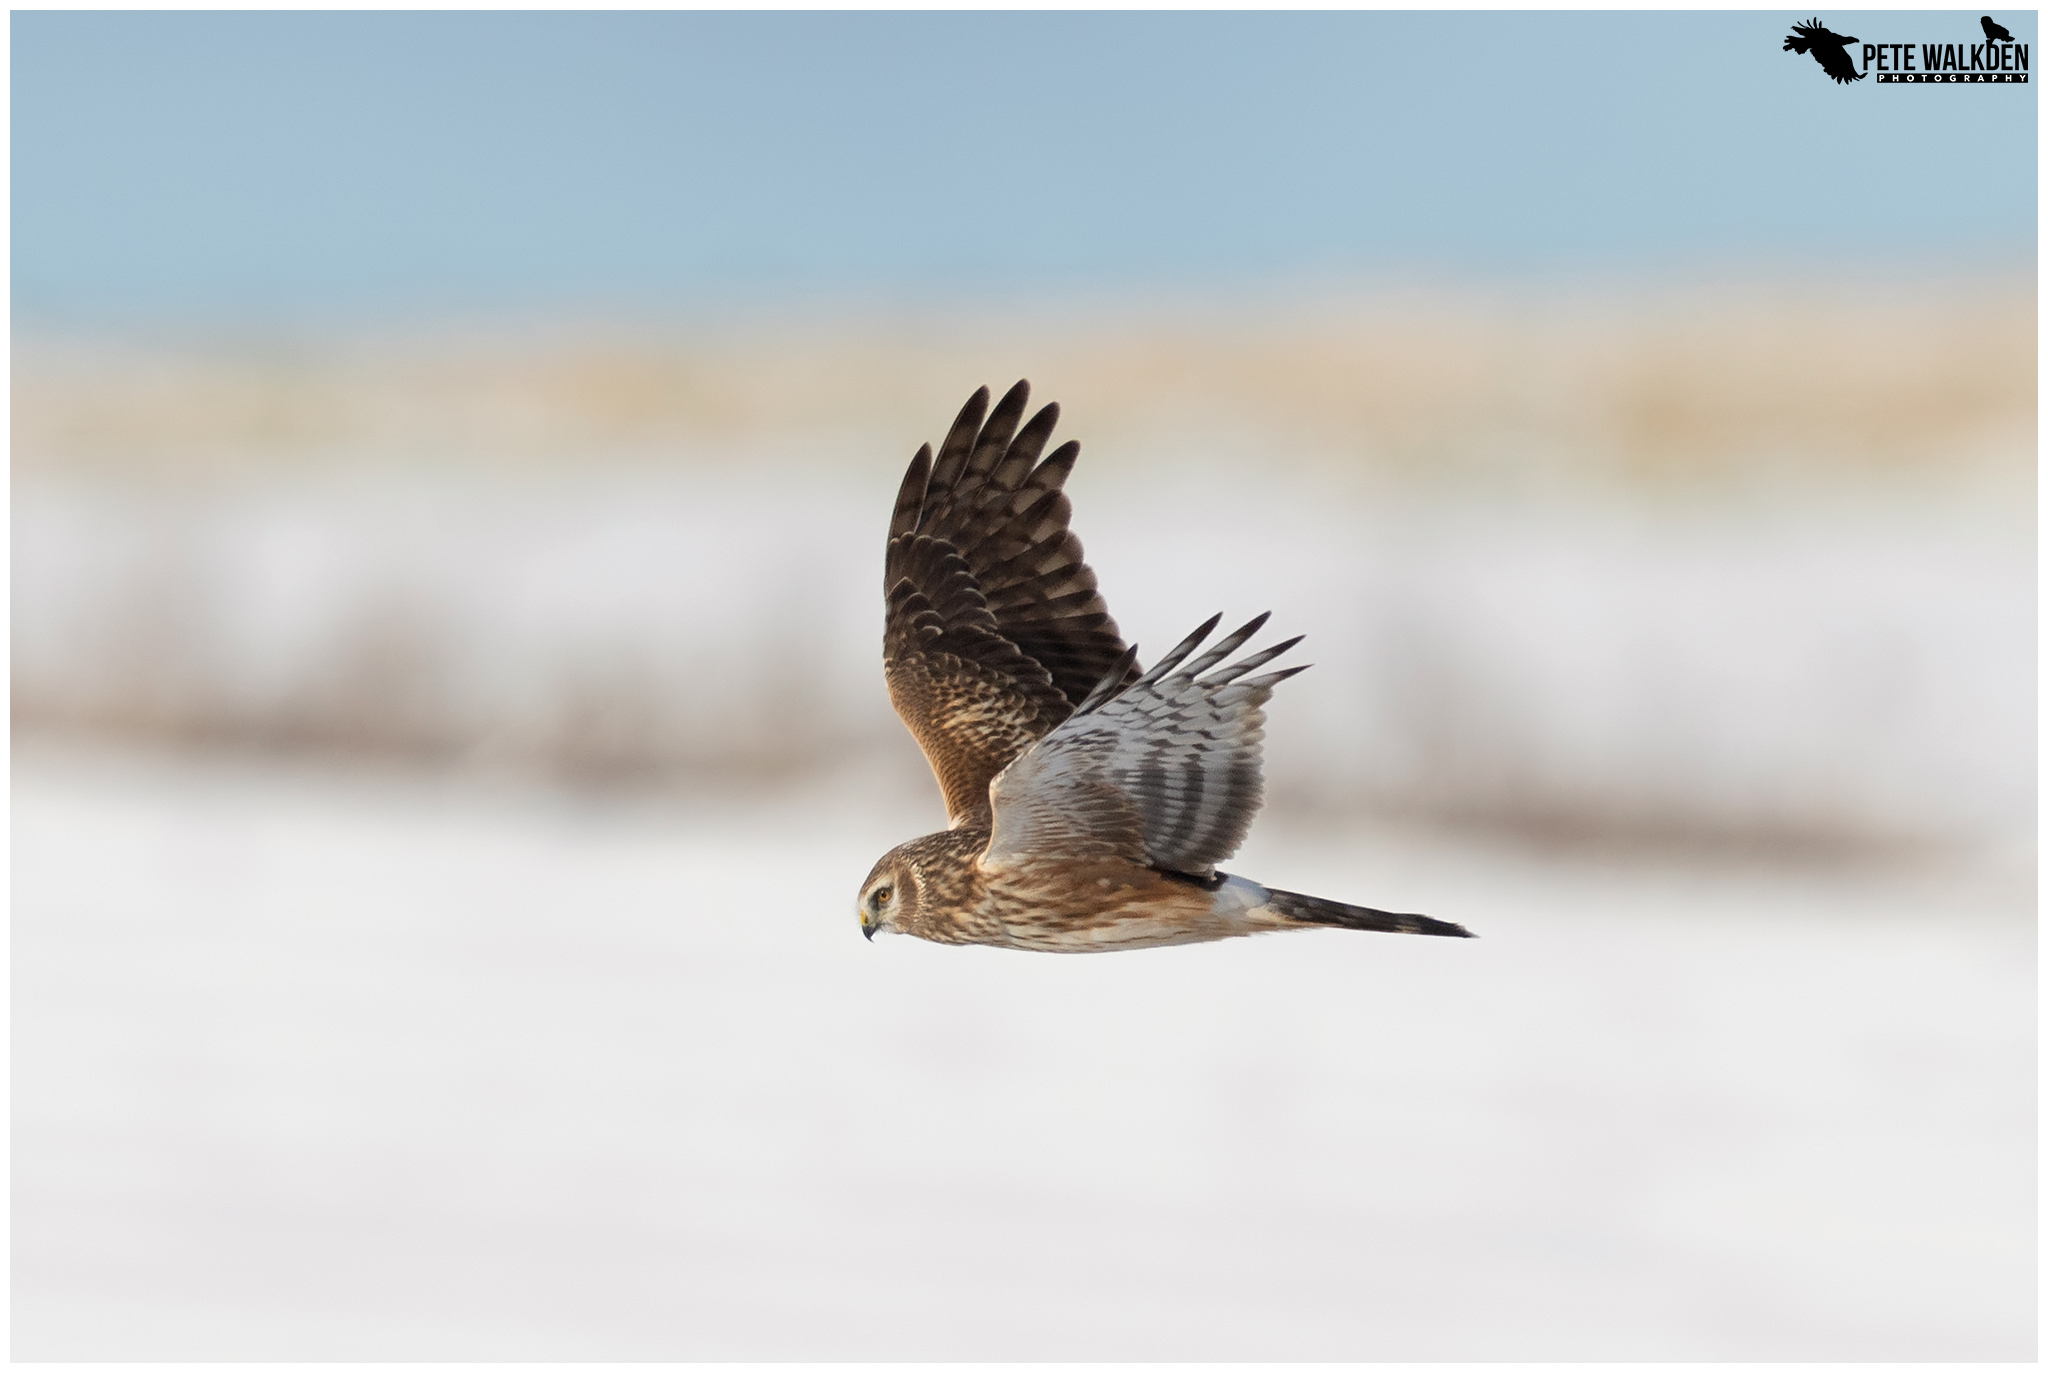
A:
(1090, 804)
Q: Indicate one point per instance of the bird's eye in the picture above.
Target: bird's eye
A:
(882, 895)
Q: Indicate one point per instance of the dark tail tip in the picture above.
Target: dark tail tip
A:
(1313, 910)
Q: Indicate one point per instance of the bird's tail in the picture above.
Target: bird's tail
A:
(1794, 43)
(1313, 910)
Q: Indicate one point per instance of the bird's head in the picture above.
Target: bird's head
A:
(888, 899)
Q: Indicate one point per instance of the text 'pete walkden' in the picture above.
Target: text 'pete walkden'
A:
(1942, 63)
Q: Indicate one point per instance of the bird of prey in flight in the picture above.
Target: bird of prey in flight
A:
(1090, 802)
(1995, 32)
(1827, 49)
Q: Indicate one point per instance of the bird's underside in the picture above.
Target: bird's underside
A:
(1090, 803)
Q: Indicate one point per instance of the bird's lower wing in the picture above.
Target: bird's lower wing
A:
(1164, 772)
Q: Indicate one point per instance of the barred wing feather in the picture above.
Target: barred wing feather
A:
(995, 627)
(1163, 772)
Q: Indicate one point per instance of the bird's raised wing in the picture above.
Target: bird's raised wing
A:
(1163, 772)
(995, 628)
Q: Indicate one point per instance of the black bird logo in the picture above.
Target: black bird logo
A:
(1995, 31)
(1826, 49)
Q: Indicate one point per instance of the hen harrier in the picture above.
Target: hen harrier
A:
(1090, 804)
(1827, 49)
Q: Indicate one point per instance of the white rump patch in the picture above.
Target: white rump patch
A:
(1237, 897)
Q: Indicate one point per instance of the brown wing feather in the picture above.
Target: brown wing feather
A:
(995, 628)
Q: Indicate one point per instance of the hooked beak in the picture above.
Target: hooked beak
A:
(867, 931)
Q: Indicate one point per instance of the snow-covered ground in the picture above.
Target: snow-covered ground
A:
(347, 1065)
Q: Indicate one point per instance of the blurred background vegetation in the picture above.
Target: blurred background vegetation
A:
(1683, 565)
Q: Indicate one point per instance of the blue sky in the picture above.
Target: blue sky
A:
(282, 165)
